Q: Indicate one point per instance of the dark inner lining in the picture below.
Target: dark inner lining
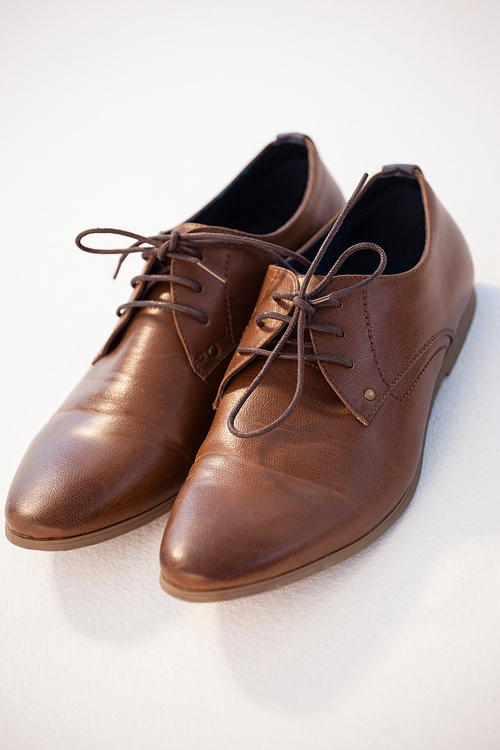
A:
(265, 196)
(390, 214)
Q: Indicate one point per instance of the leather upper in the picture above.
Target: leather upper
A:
(125, 438)
(437, 286)
(259, 507)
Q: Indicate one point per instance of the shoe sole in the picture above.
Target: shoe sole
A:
(323, 563)
(93, 537)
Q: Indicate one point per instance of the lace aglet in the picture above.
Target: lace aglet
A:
(212, 273)
(319, 300)
(122, 258)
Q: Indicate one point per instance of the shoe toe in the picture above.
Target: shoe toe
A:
(85, 473)
(239, 525)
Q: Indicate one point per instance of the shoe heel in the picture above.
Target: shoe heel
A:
(463, 329)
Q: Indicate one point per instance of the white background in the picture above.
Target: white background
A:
(133, 114)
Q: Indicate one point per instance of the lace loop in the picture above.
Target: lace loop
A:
(181, 246)
(304, 305)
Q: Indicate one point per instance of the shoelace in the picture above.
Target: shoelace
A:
(186, 247)
(304, 304)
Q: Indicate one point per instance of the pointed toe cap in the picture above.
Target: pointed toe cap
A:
(237, 527)
(87, 473)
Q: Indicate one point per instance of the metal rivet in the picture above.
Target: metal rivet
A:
(213, 350)
(370, 394)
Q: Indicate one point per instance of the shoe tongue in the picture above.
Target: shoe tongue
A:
(315, 280)
(334, 285)
(194, 226)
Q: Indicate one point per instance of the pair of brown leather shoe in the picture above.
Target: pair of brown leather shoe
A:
(317, 442)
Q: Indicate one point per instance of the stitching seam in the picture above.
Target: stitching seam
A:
(372, 343)
(232, 342)
(204, 372)
(442, 332)
(402, 398)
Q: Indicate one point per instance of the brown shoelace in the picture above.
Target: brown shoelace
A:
(186, 247)
(304, 304)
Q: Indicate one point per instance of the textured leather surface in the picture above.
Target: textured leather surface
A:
(124, 440)
(255, 508)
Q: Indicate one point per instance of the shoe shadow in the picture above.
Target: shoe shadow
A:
(310, 644)
(111, 592)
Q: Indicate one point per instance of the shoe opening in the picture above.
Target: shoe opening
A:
(266, 195)
(391, 214)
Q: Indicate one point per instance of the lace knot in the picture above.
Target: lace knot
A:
(303, 304)
(169, 246)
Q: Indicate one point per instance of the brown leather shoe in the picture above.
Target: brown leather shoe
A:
(118, 450)
(311, 463)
